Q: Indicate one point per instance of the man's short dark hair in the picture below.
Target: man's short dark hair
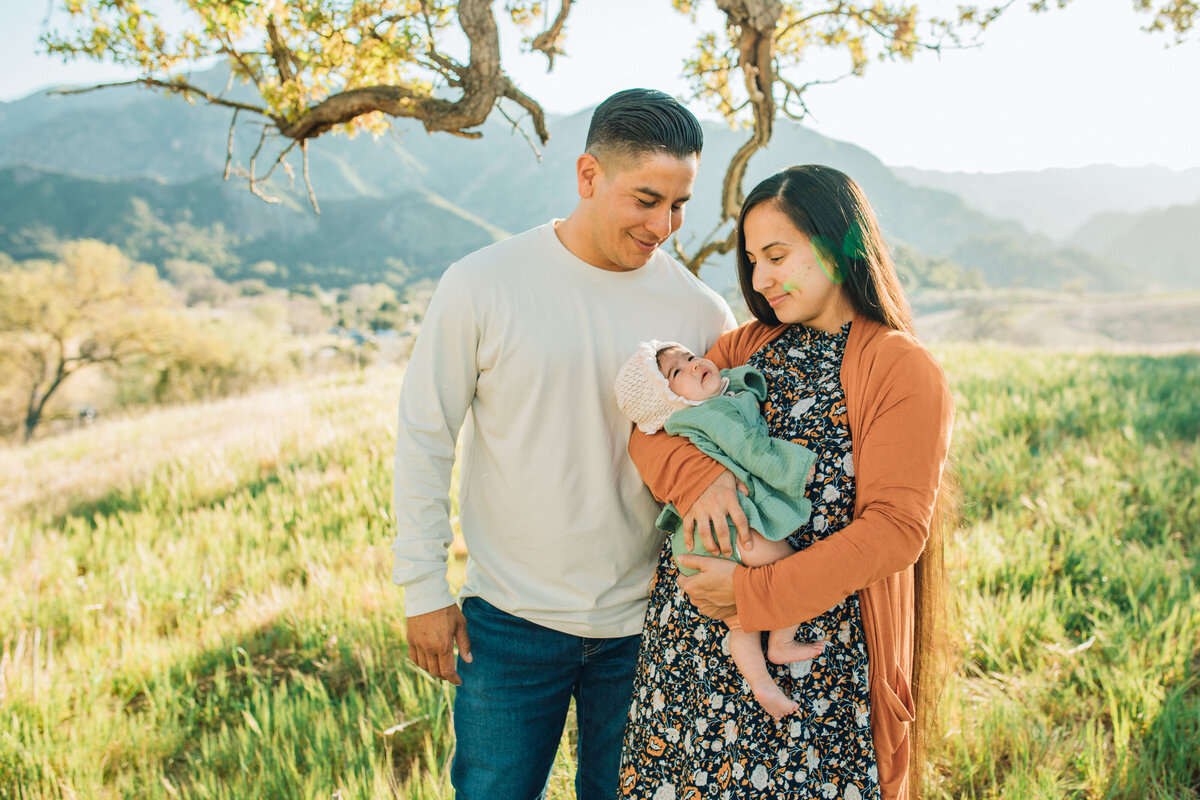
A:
(635, 122)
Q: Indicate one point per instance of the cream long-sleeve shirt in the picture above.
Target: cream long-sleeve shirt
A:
(521, 343)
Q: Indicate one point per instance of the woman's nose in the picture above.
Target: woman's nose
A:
(760, 278)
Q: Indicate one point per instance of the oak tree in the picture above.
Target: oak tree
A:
(91, 307)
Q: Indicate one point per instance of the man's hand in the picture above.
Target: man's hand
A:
(431, 640)
(710, 512)
(710, 589)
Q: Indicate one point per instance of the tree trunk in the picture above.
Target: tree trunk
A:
(756, 21)
(37, 401)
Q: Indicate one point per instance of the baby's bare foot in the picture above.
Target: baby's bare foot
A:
(772, 698)
(792, 651)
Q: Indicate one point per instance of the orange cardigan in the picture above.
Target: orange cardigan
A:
(900, 415)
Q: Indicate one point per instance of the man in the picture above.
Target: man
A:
(527, 335)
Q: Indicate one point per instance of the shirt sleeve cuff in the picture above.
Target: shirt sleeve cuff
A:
(747, 610)
(427, 594)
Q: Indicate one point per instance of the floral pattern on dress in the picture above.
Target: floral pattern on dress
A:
(695, 730)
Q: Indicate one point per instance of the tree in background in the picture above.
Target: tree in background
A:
(340, 65)
(322, 65)
(92, 307)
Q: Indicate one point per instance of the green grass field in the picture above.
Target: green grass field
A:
(197, 602)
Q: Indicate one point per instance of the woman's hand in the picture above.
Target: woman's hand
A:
(711, 513)
(710, 589)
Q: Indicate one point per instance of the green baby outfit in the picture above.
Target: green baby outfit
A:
(730, 428)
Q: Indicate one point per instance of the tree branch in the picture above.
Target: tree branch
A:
(178, 86)
(755, 22)
(756, 57)
(794, 92)
(710, 247)
(517, 127)
(280, 53)
(536, 115)
(452, 71)
(255, 189)
(482, 84)
(228, 49)
(480, 81)
(548, 41)
(312, 196)
(229, 144)
(38, 399)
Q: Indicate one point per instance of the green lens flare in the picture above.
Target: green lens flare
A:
(821, 251)
(854, 245)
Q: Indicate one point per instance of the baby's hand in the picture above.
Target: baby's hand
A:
(812, 473)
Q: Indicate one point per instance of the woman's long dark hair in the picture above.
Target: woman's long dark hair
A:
(832, 211)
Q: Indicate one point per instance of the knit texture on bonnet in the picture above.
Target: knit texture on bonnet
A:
(643, 393)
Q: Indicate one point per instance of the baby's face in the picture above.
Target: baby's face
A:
(689, 376)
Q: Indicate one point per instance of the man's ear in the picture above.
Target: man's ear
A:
(587, 172)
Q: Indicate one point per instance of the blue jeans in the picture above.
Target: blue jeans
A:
(510, 710)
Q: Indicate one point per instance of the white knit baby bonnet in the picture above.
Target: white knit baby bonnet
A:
(643, 393)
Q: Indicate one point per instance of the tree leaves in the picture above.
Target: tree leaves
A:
(92, 306)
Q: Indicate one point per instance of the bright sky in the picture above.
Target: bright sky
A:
(1066, 88)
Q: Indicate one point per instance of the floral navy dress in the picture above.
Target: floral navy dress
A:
(695, 730)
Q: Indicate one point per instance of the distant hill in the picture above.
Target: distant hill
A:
(1028, 261)
(143, 171)
(1056, 202)
(223, 225)
(1167, 238)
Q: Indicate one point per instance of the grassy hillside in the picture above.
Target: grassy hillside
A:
(197, 602)
(1076, 588)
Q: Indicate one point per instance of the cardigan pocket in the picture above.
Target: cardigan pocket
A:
(890, 732)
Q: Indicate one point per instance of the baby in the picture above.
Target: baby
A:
(663, 385)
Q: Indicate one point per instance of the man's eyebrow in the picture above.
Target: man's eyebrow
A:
(659, 195)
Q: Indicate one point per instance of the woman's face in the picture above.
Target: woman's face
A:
(801, 285)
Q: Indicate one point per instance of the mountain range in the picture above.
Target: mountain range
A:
(144, 171)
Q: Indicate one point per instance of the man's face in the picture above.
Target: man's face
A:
(635, 204)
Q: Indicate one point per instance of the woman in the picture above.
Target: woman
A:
(847, 379)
